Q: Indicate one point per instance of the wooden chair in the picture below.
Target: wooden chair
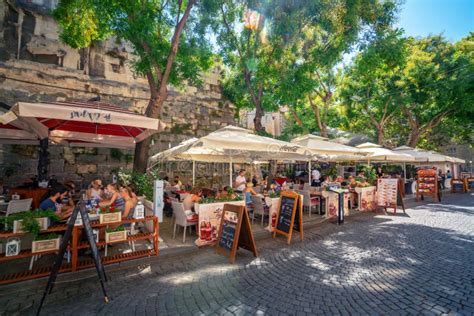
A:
(181, 219)
(18, 206)
(258, 207)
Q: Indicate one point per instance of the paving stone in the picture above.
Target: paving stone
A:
(374, 264)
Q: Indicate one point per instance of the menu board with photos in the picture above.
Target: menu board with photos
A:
(290, 215)
(387, 192)
(427, 184)
(209, 222)
(235, 232)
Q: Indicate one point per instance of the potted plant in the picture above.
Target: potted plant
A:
(30, 221)
(115, 234)
(110, 214)
(45, 242)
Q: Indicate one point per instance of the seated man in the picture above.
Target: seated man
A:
(54, 202)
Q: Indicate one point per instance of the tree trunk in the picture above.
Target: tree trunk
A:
(379, 135)
(84, 54)
(414, 138)
(271, 173)
(142, 148)
(257, 121)
(317, 114)
(295, 116)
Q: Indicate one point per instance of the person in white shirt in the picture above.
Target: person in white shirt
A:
(315, 176)
(240, 181)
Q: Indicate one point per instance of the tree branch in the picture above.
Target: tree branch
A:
(175, 44)
(229, 30)
(326, 89)
(155, 65)
(385, 108)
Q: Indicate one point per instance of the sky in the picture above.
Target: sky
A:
(453, 18)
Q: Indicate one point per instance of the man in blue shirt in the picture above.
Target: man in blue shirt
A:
(53, 202)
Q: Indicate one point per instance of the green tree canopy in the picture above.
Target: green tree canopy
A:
(156, 29)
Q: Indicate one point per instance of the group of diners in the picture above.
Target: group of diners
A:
(60, 198)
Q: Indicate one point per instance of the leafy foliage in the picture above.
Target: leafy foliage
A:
(115, 229)
(229, 198)
(369, 174)
(28, 219)
(46, 237)
(142, 183)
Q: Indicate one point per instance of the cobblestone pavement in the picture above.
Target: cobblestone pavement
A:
(418, 263)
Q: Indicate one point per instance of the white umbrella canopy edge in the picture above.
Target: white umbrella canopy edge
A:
(236, 138)
(321, 145)
(376, 152)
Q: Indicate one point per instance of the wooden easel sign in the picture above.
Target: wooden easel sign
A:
(235, 231)
(390, 194)
(290, 215)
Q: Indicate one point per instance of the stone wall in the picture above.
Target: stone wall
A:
(81, 165)
(36, 66)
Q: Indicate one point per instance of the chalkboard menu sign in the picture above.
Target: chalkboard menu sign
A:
(235, 232)
(290, 215)
(228, 231)
(287, 209)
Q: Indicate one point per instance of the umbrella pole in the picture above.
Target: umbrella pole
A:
(194, 172)
(309, 171)
(43, 158)
(230, 172)
(405, 171)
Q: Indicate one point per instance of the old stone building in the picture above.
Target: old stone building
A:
(36, 66)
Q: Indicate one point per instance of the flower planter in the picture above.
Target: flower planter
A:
(108, 218)
(45, 245)
(116, 236)
(43, 222)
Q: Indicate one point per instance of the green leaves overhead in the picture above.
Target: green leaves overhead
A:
(148, 25)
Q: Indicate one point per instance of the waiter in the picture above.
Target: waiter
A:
(315, 176)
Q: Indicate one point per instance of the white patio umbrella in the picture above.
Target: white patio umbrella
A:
(322, 146)
(376, 152)
(259, 147)
(232, 144)
(328, 151)
(194, 150)
(427, 156)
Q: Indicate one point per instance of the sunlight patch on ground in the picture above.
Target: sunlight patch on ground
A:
(317, 263)
(198, 274)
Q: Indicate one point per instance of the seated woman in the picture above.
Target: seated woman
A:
(248, 192)
(95, 190)
(327, 181)
(196, 195)
(352, 182)
(115, 198)
(129, 207)
(54, 202)
(176, 186)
